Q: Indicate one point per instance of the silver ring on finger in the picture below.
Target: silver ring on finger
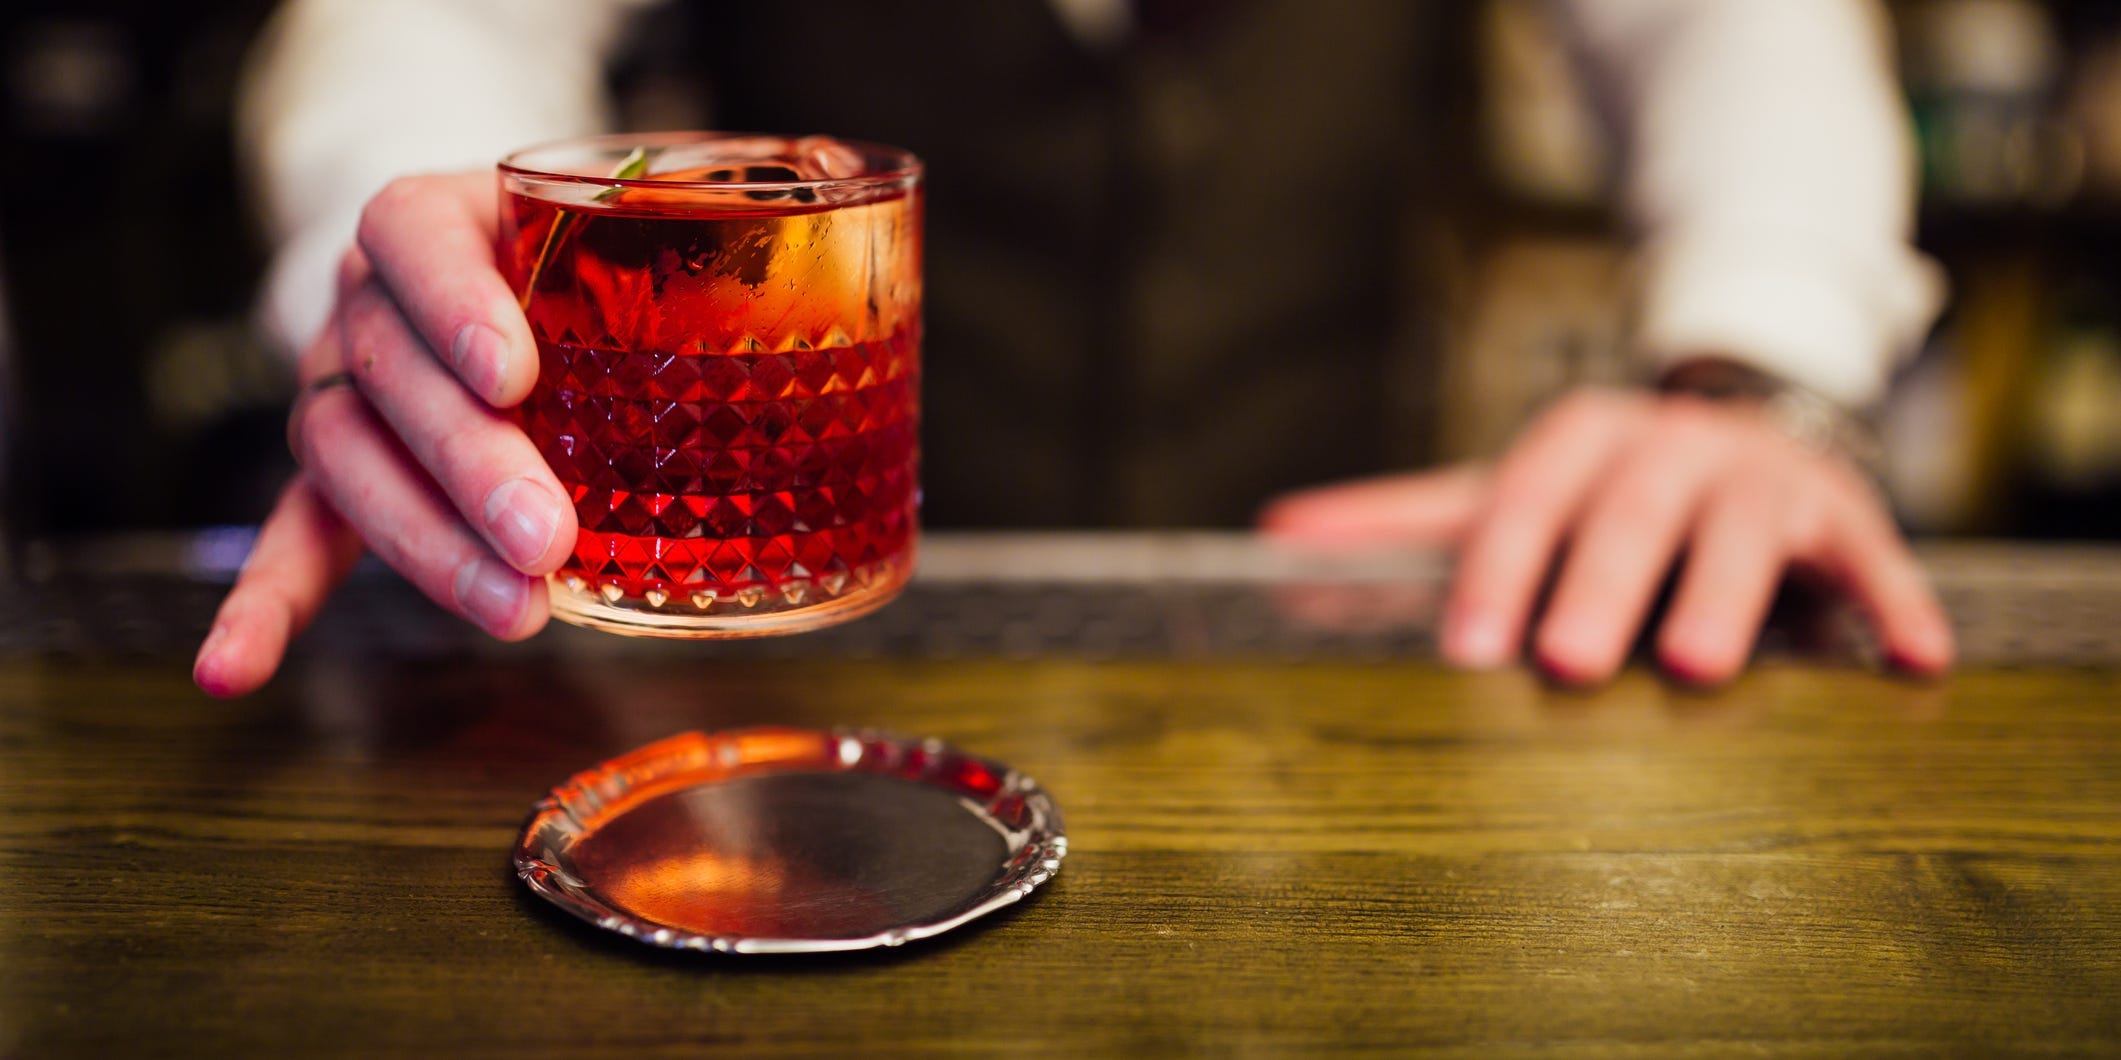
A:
(330, 381)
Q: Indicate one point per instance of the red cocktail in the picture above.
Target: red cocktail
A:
(729, 356)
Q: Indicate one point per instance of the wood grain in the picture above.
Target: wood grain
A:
(1265, 859)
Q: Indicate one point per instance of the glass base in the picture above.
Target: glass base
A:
(793, 607)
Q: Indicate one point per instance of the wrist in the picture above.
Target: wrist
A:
(1806, 416)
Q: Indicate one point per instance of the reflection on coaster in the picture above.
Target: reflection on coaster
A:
(789, 841)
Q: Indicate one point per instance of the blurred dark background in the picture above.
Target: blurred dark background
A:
(136, 394)
(137, 397)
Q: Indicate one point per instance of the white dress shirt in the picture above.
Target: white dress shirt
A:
(1768, 169)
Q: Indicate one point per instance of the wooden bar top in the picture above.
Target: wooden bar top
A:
(1296, 845)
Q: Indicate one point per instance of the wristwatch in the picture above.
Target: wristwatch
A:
(1810, 418)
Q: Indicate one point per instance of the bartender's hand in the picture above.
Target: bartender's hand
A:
(1608, 491)
(402, 443)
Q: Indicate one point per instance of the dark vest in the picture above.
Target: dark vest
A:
(1163, 283)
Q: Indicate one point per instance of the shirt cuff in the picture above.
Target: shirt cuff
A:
(1835, 324)
(302, 282)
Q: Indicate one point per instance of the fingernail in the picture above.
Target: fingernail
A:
(480, 358)
(1927, 651)
(202, 670)
(521, 518)
(492, 595)
(1701, 652)
(1476, 640)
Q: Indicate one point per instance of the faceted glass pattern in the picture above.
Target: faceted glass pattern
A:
(728, 390)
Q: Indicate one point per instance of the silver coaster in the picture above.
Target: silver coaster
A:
(778, 840)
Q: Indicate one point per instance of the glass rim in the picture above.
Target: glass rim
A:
(904, 168)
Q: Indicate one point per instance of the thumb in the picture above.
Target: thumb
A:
(1425, 508)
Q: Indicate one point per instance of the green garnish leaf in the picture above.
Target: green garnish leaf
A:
(630, 167)
(633, 165)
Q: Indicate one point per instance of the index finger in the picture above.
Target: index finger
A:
(302, 552)
(1536, 492)
(430, 239)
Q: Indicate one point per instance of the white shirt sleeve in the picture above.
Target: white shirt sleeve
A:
(1770, 172)
(1769, 164)
(344, 95)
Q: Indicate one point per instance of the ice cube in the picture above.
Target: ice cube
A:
(828, 158)
(760, 160)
